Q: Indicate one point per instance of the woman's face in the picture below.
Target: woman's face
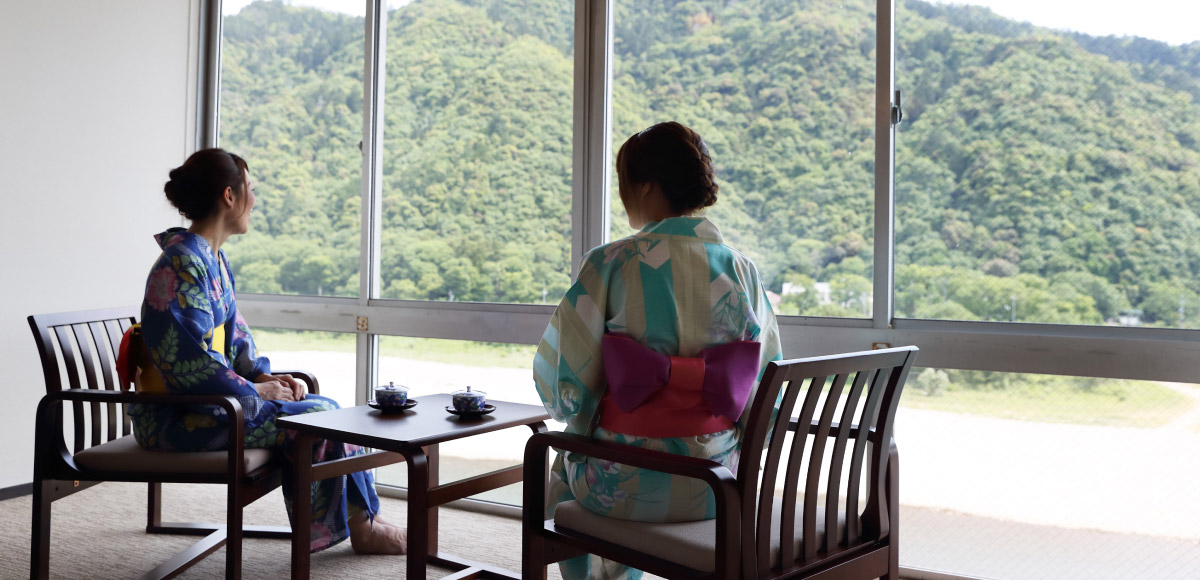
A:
(247, 205)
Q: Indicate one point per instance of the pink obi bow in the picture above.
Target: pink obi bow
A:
(725, 374)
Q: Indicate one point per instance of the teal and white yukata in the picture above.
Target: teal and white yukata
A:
(189, 294)
(676, 288)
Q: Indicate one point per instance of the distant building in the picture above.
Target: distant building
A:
(774, 299)
(822, 289)
(1130, 318)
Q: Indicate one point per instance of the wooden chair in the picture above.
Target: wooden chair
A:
(104, 449)
(830, 531)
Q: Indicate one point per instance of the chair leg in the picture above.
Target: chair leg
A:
(893, 499)
(39, 550)
(533, 564)
(533, 516)
(233, 534)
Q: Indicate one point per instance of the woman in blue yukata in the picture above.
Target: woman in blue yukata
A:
(658, 344)
(200, 345)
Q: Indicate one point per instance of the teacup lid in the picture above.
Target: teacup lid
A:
(391, 386)
(468, 393)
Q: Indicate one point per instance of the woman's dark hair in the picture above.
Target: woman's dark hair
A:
(196, 185)
(674, 157)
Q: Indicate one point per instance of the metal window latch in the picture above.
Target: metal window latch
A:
(898, 108)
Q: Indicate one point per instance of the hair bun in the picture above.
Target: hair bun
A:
(674, 157)
(195, 186)
(175, 188)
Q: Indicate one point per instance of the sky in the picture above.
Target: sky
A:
(1172, 21)
(355, 7)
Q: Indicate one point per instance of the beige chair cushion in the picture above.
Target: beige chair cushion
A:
(125, 454)
(691, 544)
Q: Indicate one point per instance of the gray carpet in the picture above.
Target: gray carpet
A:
(99, 533)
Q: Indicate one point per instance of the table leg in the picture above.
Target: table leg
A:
(302, 507)
(433, 455)
(418, 505)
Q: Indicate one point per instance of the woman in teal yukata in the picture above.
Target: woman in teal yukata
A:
(188, 306)
(674, 297)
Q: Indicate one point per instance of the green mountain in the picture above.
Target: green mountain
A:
(1041, 176)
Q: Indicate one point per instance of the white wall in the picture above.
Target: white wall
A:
(95, 108)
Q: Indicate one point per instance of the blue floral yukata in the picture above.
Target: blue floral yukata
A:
(189, 294)
(676, 288)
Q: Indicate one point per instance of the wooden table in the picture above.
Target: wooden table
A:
(411, 436)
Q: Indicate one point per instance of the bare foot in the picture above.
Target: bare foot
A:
(377, 537)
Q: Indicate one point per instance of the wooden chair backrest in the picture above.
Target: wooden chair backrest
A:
(849, 398)
(87, 342)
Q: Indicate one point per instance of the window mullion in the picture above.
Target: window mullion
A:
(375, 51)
(592, 126)
(208, 92)
(885, 158)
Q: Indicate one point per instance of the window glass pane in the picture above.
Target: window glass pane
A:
(291, 105)
(429, 366)
(783, 93)
(329, 356)
(1083, 478)
(477, 151)
(1046, 166)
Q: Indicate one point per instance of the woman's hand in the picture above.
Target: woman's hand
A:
(272, 390)
(280, 388)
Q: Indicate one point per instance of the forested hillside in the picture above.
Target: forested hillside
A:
(1041, 176)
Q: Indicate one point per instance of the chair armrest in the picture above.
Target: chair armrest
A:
(309, 379)
(48, 421)
(227, 402)
(711, 472)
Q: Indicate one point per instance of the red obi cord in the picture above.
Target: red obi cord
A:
(677, 410)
